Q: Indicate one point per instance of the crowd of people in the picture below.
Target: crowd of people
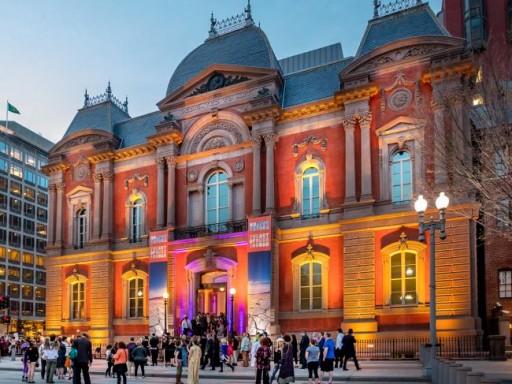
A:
(203, 344)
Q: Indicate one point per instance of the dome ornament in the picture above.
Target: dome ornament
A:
(231, 24)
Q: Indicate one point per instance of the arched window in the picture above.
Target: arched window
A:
(136, 221)
(310, 193)
(77, 300)
(311, 286)
(81, 228)
(136, 298)
(404, 276)
(401, 178)
(217, 204)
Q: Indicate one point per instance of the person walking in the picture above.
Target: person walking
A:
(120, 362)
(295, 345)
(194, 360)
(45, 344)
(263, 361)
(338, 351)
(178, 362)
(51, 354)
(245, 347)
(303, 345)
(130, 346)
(139, 357)
(278, 349)
(328, 362)
(31, 356)
(224, 355)
(109, 356)
(61, 360)
(83, 359)
(313, 360)
(349, 349)
(286, 372)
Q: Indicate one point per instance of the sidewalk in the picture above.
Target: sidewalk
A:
(390, 371)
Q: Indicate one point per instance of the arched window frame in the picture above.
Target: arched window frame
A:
(79, 199)
(136, 201)
(405, 196)
(75, 281)
(419, 249)
(300, 169)
(297, 263)
(127, 277)
(218, 209)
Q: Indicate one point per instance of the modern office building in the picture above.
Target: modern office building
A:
(277, 191)
(23, 225)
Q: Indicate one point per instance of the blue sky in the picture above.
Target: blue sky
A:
(53, 49)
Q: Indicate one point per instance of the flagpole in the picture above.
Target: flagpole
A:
(7, 117)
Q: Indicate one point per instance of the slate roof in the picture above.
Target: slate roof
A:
(306, 60)
(313, 84)
(134, 131)
(248, 46)
(415, 21)
(28, 135)
(100, 116)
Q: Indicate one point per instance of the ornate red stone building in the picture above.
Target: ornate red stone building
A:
(334, 148)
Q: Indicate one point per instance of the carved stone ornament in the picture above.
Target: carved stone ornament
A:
(216, 81)
(88, 139)
(400, 54)
(214, 143)
(81, 169)
(309, 140)
(136, 176)
(400, 99)
(216, 126)
(192, 176)
(239, 165)
(209, 258)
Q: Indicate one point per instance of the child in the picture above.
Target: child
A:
(178, 361)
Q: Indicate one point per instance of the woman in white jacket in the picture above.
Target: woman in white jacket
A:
(51, 353)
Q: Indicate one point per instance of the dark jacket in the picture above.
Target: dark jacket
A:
(349, 347)
(32, 354)
(139, 354)
(84, 349)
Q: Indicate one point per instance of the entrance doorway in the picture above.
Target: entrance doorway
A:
(211, 295)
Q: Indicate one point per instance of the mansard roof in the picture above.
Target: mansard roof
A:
(134, 131)
(247, 46)
(412, 22)
(311, 59)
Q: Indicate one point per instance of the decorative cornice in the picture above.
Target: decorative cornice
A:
(100, 157)
(262, 114)
(54, 168)
(127, 153)
(446, 71)
(362, 92)
(167, 134)
(308, 110)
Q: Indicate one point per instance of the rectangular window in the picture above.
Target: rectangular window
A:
(14, 256)
(29, 193)
(28, 276)
(4, 183)
(30, 177)
(28, 226)
(42, 182)
(3, 236)
(40, 293)
(3, 254)
(3, 201)
(4, 165)
(16, 154)
(14, 290)
(28, 258)
(500, 162)
(403, 279)
(42, 163)
(15, 205)
(27, 292)
(42, 214)
(40, 246)
(40, 310)
(16, 171)
(13, 273)
(3, 218)
(2, 271)
(503, 213)
(42, 198)
(39, 261)
(136, 300)
(29, 209)
(2, 289)
(4, 148)
(14, 222)
(27, 308)
(30, 160)
(40, 277)
(41, 230)
(505, 284)
(14, 239)
(77, 301)
(28, 243)
(15, 188)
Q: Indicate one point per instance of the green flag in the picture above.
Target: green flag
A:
(12, 108)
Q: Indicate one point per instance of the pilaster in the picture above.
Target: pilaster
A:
(366, 157)
(160, 162)
(270, 139)
(60, 213)
(256, 174)
(108, 205)
(96, 228)
(350, 161)
(171, 190)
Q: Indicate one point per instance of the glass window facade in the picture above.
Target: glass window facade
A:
(311, 286)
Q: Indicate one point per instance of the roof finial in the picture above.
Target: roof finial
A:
(248, 13)
(109, 91)
(125, 105)
(86, 98)
(376, 5)
(212, 31)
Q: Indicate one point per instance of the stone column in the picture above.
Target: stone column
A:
(171, 191)
(439, 141)
(108, 205)
(96, 228)
(51, 215)
(366, 163)
(270, 139)
(256, 175)
(350, 158)
(60, 212)
(160, 193)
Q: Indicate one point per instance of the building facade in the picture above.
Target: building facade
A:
(334, 149)
(23, 226)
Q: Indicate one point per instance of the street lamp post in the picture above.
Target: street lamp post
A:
(166, 297)
(232, 291)
(421, 206)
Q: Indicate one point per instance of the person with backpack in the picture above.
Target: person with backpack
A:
(139, 356)
(130, 346)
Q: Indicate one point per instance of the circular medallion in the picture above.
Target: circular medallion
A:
(192, 176)
(80, 172)
(216, 81)
(400, 99)
(239, 165)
